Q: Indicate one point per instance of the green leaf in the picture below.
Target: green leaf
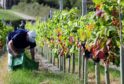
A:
(88, 34)
(72, 49)
(110, 30)
(54, 50)
(118, 43)
(81, 34)
(103, 42)
(122, 2)
(98, 1)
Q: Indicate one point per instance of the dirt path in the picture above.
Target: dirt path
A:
(45, 65)
(24, 16)
(3, 68)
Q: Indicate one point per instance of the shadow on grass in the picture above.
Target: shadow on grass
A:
(49, 75)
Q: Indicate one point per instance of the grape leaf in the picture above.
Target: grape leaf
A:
(81, 34)
(122, 2)
(98, 1)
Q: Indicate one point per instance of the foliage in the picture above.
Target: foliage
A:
(97, 33)
(6, 15)
(4, 30)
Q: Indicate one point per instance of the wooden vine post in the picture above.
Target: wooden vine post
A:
(64, 63)
(79, 62)
(73, 63)
(107, 78)
(51, 52)
(50, 55)
(83, 55)
(61, 62)
(97, 72)
(53, 58)
(84, 11)
(69, 63)
(41, 51)
(47, 52)
(85, 70)
(121, 56)
(61, 5)
(50, 13)
(84, 7)
(61, 58)
(58, 59)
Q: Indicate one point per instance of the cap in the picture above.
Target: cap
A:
(31, 36)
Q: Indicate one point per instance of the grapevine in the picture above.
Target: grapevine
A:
(97, 33)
